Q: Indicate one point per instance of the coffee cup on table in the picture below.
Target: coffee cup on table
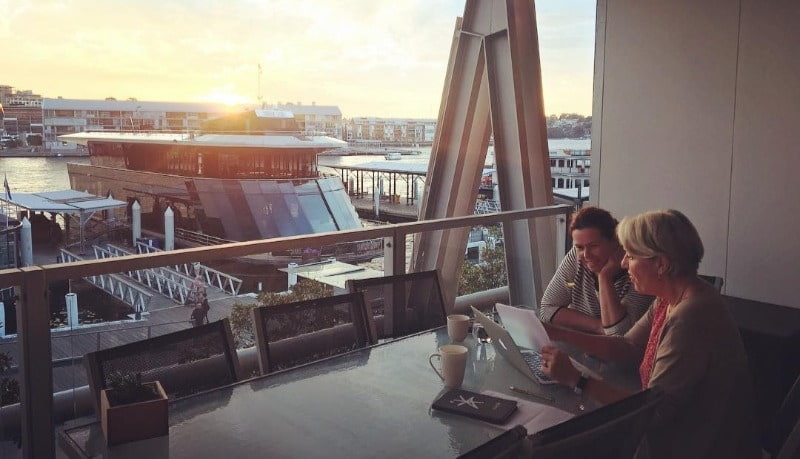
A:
(457, 327)
(453, 358)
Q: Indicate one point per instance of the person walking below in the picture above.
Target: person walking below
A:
(205, 307)
(197, 315)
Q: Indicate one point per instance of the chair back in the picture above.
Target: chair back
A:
(612, 431)
(786, 424)
(506, 445)
(715, 281)
(184, 362)
(292, 334)
(402, 304)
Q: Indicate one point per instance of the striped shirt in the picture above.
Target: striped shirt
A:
(575, 287)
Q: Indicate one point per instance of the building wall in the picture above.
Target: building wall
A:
(695, 106)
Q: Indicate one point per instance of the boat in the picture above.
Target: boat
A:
(393, 155)
(243, 177)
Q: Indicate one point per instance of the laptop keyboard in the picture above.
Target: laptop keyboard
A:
(534, 361)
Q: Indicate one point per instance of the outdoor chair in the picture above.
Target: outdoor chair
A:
(612, 431)
(288, 335)
(184, 362)
(505, 445)
(402, 304)
(783, 437)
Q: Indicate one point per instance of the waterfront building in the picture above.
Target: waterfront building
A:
(26, 98)
(68, 116)
(396, 130)
(315, 118)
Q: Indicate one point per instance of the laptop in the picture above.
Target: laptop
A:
(528, 361)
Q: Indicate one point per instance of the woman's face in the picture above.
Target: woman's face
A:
(593, 248)
(643, 272)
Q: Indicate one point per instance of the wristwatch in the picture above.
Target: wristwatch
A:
(581, 384)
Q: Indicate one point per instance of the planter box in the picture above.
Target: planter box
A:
(135, 421)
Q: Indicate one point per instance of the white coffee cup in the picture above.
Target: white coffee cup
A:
(457, 327)
(454, 362)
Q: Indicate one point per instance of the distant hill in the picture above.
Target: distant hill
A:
(569, 125)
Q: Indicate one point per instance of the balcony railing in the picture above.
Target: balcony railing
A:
(34, 345)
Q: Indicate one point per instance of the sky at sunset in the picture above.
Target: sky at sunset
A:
(369, 57)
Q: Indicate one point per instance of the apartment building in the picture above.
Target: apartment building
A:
(67, 116)
(410, 130)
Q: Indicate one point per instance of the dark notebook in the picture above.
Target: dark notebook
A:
(479, 406)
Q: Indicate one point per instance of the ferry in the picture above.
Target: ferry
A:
(247, 176)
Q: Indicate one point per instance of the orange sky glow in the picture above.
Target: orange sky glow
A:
(370, 58)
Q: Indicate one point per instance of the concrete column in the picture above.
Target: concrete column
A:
(136, 222)
(292, 275)
(380, 185)
(72, 309)
(27, 243)
(351, 185)
(169, 229)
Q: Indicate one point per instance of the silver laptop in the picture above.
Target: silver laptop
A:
(526, 361)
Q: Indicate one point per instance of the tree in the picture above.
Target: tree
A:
(489, 273)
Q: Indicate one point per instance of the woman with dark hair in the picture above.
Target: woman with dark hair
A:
(590, 291)
(687, 346)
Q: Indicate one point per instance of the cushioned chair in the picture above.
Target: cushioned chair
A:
(505, 445)
(402, 304)
(612, 431)
(292, 334)
(185, 362)
(783, 437)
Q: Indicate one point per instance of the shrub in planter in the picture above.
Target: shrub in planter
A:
(132, 410)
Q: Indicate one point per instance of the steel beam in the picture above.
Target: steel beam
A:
(493, 85)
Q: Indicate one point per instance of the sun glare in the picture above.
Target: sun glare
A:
(222, 96)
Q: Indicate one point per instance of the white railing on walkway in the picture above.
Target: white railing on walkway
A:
(118, 286)
(165, 281)
(211, 277)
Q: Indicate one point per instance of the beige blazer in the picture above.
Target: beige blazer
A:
(701, 367)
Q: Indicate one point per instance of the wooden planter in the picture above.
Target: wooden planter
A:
(135, 421)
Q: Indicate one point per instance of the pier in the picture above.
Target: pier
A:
(399, 188)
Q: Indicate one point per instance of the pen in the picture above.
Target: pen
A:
(531, 394)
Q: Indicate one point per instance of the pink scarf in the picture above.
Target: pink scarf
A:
(649, 360)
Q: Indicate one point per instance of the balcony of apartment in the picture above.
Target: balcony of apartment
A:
(120, 300)
(690, 113)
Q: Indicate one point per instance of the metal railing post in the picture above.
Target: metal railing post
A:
(36, 378)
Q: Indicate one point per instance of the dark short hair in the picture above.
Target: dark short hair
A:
(595, 217)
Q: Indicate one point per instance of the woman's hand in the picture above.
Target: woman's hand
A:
(557, 366)
(613, 264)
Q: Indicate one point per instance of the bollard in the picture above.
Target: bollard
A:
(136, 222)
(169, 229)
(72, 310)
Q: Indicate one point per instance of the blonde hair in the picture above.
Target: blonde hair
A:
(665, 233)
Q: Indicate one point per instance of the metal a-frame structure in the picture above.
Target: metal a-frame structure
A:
(493, 86)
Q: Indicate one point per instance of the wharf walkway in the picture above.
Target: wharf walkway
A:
(387, 210)
(69, 345)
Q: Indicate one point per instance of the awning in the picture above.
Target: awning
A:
(65, 202)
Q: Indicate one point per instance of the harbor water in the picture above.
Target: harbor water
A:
(29, 175)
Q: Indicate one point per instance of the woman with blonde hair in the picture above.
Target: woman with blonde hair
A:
(687, 345)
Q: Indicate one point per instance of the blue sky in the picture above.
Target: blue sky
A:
(369, 57)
